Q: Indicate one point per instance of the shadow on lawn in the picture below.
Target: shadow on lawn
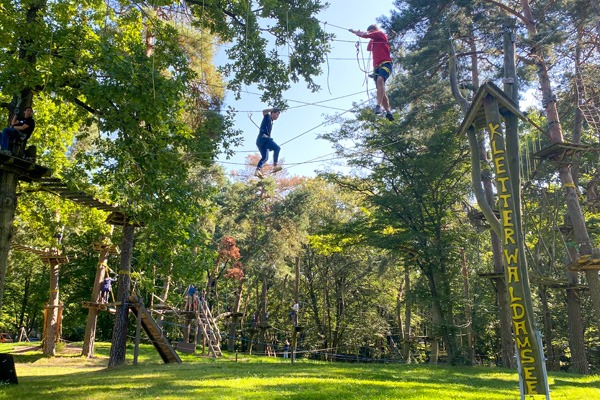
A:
(222, 381)
(572, 383)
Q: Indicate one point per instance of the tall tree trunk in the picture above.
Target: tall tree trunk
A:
(579, 362)
(52, 311)
(551, 357)
(435, 343)
(407, 317)
(235, 319)
(442, 319)
(8, 204)
(90, 327)
(119, 338)
(8, 180)
(468, 310)
(25, 298)
(264, 319)
(296, 301)
(575, 324)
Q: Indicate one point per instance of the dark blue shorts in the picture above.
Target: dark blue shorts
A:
(384, 70)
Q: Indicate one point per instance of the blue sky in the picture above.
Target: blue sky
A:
(342, 84)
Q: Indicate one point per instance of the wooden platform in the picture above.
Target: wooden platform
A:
(187, 348)
(110, 307)
(491, 275)
(562, 153)
(585, 263)
(539, 280)
(26, 169)
(557, 283)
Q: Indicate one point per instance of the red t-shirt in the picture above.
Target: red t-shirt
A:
(379, 46)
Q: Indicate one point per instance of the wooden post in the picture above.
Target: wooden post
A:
(530, 356)
(533, 375)
(52, 309)
(468, 308)
(511, 88)
(138, 326)
(90, 327)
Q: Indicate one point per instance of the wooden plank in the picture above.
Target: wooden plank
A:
(154, 332)
(187, 348)
(25, 169)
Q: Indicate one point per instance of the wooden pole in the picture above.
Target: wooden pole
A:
(530, 356)
(90, 327)
(138, 326)
(533, 376)
(50, 329)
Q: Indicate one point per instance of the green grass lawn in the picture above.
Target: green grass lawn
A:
(70, 376)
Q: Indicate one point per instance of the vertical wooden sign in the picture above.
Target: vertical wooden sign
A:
(532, 371)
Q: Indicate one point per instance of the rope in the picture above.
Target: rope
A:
(359, 50)
(335, 26)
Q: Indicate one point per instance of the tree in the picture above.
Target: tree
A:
(112, 69)
(415, 183)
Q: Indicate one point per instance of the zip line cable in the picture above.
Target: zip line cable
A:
(322, 123)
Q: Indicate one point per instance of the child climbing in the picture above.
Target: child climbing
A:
(191, 303)
(105, 288)
(382, 65)
(265, 142)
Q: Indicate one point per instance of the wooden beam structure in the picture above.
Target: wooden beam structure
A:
(25, 169)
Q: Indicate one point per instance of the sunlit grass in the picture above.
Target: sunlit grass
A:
(70, 376)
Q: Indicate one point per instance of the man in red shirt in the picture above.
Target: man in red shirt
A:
(382, 65)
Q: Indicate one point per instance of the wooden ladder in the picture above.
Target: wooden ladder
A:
(210, 330)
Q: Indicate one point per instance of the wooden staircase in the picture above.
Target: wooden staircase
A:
(210, 330)
(154, 332)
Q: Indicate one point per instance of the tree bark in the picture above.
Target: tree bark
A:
(551, 358)
(296, 301)
(51, 327)
(119, 338)
(575, 323)
(8, 204)
(468, 310)
(264, 322)
(235, 319)
(90, 327)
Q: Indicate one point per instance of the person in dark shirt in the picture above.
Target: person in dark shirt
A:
(265, 142)
(286, 349)
(192, 298)
(105, 288)
(20, 128)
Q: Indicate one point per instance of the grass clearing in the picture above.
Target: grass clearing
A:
(70, 376)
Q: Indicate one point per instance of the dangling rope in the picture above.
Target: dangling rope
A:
(364, 67)
(359, 50)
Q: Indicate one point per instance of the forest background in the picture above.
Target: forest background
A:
(127, 103)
